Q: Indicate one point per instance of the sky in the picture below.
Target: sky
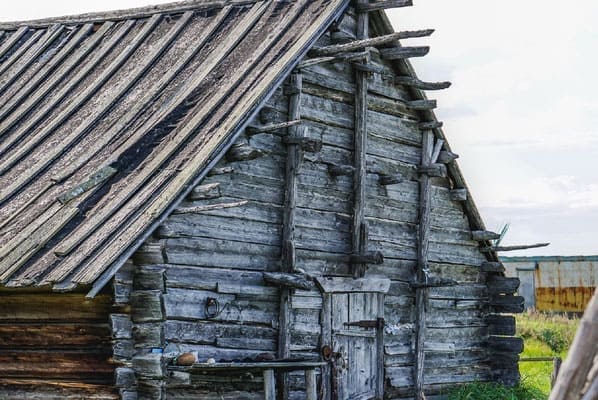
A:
(521, 113)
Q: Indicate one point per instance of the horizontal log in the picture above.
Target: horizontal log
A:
(146, 306)
(371, 42)
(419, 84)
(25, 389)
(399, 53)
(308, 144)
(221, 171)
(421, 105)
(341, 170)
(124, 377)
(297, 281)
(446, 157)
(507, 304)
(349, 285)
(362, 56)
(503, 325)
(121, 326)
(482, 236)
(204, 192)
(147, 278)
(54, 336)
(390, 179)
(208, 207)
(458, 194)
(492, 266)
(435, 170)
(150, 365)
(370, 257)
(433, 281)
(54, 306)
(502, 285)
(382, 5)
(252, 130)
(243, 152)
(489, 249)
(506, 344)
(57, 365)
(149, 335)
(429, 125)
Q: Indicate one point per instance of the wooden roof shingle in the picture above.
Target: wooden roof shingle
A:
(108, 119)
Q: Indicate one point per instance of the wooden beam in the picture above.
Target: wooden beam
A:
(252, 130)
(382, 5)
(429, 125)
(489, 249)
(369, 42)
(288, 256)
(362, 56)
(341, 170)
(399, 53)
(433, 281)
(418, 84)
(492, 266)
(421, 105)
(423, 237)
(435, 170)
(482, 236)
(370, 257)
(579, 368)
(459, 194)
(209, 207)
(446, 157)
(385, 180)
(359, 229)
(296, 281)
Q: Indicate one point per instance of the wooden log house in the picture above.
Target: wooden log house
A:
(261, 186)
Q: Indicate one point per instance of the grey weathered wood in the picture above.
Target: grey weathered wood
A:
(124, 377)
(149, 335)
(502, 284)
(122, 349)
(482, 236)
(121, 326)
(419, 84)
(502, 325)
(209, 207)
(146, 306)
(579, 368)
(422, 264)
(446, 157)
(391, 179)
(149, 279)
(94, 180)
(380, 347)
(381, 5)
(296, 281)
(356, 57)
(341, 170)
(326, 340)
(430, 125)
(242, 151)
(348, 285)
(459, 194)
(369, 257)
(252, 130)
(368, 42)
(507, 304)
(492, 266)
(506, 344)
(512, 248)
(204, 192)
(421, 105)
(399, 53)
(149, 365)
(359, 245)
(269, 385)
(433, 281)
(310, 384)
(288, 255)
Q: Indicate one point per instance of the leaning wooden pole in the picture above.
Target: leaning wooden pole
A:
(421, 292)
(359, 231)
(293, 163)
(578, 374)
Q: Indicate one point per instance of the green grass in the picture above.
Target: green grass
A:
(493, 391)
(544, 336)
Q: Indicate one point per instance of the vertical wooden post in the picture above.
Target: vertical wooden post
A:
(556, 366)
(269, 385)
(422, 263)
(293, 163)
(326, 324)
(359, 177)
(310, 384)
(380, 348)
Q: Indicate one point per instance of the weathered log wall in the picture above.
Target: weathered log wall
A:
(228, 232)
(55, 346)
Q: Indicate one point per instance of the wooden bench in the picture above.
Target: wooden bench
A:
(267, 369)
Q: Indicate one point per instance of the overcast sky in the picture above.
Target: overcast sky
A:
(522, 112)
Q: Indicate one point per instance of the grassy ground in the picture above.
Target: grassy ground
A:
(545, 336)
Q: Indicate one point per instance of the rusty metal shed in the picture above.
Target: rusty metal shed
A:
(555, 283)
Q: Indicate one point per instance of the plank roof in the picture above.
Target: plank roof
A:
(108, 119)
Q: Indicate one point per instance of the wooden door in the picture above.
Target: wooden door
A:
(355, 332)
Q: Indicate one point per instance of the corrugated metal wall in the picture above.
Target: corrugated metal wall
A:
(564, 284)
